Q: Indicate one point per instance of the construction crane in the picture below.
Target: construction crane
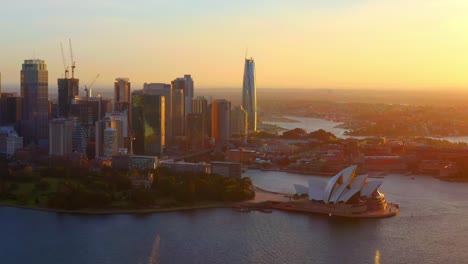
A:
(65, 67)
(72, 60)
(89, 90)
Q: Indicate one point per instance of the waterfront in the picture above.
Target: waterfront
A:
(313, 124)
(430, 228)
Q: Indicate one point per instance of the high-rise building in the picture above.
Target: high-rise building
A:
(221, 121)
(60, 137)
(67, 91)
(113, 121)
(188, 92)
(111, 142)
(186, 84)
(35, 113)
(121, 94)
(195, 131)
(166, 91)
(178, 113)
(148, 131)
(249, 94)
(199, 105)
(239, 121)
(80, 137)
(122, 104)
(9, 141)
(10, 109)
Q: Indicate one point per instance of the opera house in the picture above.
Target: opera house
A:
(345, 194)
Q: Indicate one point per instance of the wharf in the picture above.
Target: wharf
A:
(281, 201)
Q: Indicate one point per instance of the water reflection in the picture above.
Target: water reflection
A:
(377, 257)
(154, 257)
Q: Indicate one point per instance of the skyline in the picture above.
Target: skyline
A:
(335, 44)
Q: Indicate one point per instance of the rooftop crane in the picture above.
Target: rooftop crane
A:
(89, 90)
(72, 60)
(65, 67)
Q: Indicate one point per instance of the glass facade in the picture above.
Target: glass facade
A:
(249, 94)
(148, 123)
(35, 92)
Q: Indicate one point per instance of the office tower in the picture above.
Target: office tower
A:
(35, 113)
(166, 91)
(239, 121)
(112, 121)
(121, 94)
(9, 141)
(221, 121)
(178, 113)
(199, 105)
(185, 84)
(195, 131)
(122, 104)
(60, 137)
(79, 135)
(10, 109)
(148, 131)
(188, 92)
(67, 91)
(249, 94)
(111, 142)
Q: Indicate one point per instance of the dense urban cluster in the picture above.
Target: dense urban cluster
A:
(136, 134)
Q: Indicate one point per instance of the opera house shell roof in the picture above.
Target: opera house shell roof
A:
(340, 188)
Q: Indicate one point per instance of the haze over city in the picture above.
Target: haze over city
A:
(157, 131)
(358, 44)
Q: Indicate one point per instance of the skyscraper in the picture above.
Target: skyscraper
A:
(166, 91)
(122, 104)
(35, 114)
(249, 94)
(199, 105)
(121, 94)
(178, 113)
(148, 114)
(195, 128)
(116, 122)
(60, 137)
(67, 90)
(221, 120)
(185, 84)
(239, 121)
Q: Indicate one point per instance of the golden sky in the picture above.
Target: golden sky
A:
(401, 44)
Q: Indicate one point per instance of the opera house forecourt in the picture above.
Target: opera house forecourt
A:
(345, 194)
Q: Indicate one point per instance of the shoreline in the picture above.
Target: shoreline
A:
(123, 211)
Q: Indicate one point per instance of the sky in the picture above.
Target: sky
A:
(362, 44)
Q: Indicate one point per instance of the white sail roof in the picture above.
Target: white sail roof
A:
(340, 188)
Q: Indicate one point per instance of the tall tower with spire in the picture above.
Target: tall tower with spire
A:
(249, 94)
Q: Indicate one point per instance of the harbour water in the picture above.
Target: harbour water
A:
(431, 228)
(313, 124)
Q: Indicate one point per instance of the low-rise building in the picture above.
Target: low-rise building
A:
(181, 166)
(227, 169)
(241, 155)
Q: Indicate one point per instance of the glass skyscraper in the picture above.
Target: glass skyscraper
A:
(148, 114)
(35, 93)
(249, 94)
